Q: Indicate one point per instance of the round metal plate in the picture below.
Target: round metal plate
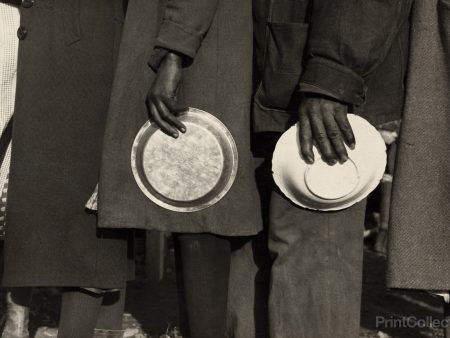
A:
(190, 173)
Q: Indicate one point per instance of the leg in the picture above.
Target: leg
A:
(17, 313)
(79, 313)
(446, 307)
(317, 271)
(205, 269)
(111, 311)
(386, 191)
(248, 289)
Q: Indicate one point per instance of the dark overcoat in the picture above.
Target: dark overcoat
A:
(217, 35)
(65, 70)
(419, 241)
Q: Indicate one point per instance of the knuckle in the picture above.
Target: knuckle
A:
(328, 106)
(346, 127)
(321, 137)
(334, 135)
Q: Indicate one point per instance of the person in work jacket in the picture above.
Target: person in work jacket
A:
(315, 62)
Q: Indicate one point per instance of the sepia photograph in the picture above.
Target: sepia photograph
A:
(225, 168)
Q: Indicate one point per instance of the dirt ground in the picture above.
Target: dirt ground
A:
(154, 305)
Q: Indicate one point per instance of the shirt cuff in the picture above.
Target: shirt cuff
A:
(175, 37)
(325, 77)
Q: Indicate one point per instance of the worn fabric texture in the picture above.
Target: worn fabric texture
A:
(9, 44)
(316, 271)
(419, 229)
(316, 275)
(65, 69)
(313, 46)
(217, 37)
(303, 277)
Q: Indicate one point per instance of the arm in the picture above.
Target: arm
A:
(348, 39)
(184, 26)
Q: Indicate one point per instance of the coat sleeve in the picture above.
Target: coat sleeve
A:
(348, 39)
(183, 28)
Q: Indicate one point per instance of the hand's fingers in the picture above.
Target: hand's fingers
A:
(345, 127)
(321, 137)
(165, 127)
(167, 115)
(334, 134)
(305, 138)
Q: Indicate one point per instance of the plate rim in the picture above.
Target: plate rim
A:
(192, 208)
(339, 204)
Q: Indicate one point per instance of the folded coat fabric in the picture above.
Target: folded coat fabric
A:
(217, 38)
(66, 62)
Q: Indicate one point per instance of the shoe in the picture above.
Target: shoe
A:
(101, 333)
(46, 332)
(17, 318)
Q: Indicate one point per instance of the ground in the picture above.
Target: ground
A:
(154, 305)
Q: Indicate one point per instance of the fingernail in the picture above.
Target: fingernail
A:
(175, 135)
(332, 162)
(344, 159)
(310, 159)
(352, 146)
(183, 130)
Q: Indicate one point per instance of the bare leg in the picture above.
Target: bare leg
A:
(109, 322)
(206, 267)
(79, 313)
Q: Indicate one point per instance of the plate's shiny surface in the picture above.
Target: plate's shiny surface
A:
(189, 173)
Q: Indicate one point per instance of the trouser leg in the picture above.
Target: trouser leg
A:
(248, 290)
(446, 307)
(316, 276)
(205, 269)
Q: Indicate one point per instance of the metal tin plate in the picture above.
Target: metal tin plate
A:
(190, 173)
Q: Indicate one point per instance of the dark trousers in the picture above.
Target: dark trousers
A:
(316, 275)
(312, 289)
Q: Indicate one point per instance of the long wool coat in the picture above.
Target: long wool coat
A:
(419, 242)
(65, 70)
(217, 34)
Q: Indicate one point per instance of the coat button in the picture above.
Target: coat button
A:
(27, 3)
(22, 33)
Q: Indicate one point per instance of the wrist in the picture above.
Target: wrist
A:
(173, 58)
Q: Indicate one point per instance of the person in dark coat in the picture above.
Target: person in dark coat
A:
(66, 62)
(203, 49)
(419, 235)
(316, 61)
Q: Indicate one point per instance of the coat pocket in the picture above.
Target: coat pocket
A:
(282, 65)
(68, 14)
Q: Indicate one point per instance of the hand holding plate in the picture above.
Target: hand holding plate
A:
(162, 97)
(324, 121)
